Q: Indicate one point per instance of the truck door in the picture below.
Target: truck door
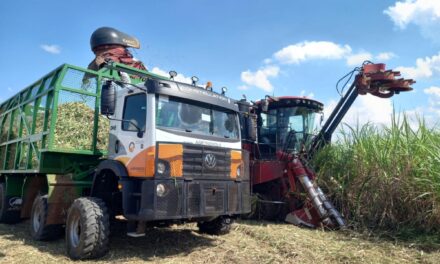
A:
(127, 140)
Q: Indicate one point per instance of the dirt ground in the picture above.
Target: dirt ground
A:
(249, 242)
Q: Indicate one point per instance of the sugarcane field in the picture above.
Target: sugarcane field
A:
(220, 132)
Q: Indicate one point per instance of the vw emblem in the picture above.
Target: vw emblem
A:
(210, 160)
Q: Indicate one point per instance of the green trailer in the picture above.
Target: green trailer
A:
(50, 128)
(67, 163)
(52, 138)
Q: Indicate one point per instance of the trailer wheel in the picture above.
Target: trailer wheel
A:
(8, 214)
(219, 226)
(87, 229)
(39, 229)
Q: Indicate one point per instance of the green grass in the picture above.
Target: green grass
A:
(385, 178)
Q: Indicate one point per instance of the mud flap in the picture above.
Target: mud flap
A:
(63, 190)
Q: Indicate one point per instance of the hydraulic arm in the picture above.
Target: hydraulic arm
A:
(371, 78)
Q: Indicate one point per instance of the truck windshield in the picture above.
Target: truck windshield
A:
(287, 128)
(193, 117)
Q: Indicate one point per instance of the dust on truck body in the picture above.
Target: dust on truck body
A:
(167, 152)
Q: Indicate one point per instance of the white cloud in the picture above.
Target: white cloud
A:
(260, 78)
(302, 52)
(425, 68)
(179, 78)
(324, 50)
(53, 49)
(372, 109)
(434, 100)
(430, 113)
(267, 61)
(367, 108)
(309, 50)
(435, 91)
(384, 56)
(423, 13)
(10, 89)
(358, 58)
(309, 95)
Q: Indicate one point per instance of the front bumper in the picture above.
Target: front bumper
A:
(184, 199)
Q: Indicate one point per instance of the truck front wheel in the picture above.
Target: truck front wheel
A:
(87, 229)
(39, 229)
(219, 226)
(8, 214)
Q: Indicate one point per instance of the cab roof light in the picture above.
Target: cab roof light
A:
(224, 90)
(172, 74)
(209, 86)
(194, 80)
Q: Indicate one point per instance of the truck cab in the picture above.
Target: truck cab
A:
(179, 146)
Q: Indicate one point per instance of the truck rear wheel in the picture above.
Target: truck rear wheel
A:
(39, 229)
(87, 229)
(219, 226)
(8, 214)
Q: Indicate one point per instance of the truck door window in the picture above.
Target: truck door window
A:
(135, 110)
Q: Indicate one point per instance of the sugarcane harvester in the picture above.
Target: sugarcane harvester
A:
(280, 133)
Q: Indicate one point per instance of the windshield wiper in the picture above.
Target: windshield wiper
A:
(188, 130)
(226, 136)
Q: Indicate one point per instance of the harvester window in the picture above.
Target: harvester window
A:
(286, 128)
(135, 111)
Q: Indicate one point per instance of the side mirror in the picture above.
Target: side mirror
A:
(108, 98)
(265, 105)
(251, 128)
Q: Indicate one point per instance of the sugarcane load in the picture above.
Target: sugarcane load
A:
(81, 147)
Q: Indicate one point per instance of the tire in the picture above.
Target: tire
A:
(253, 214)
(8, 214)
(87, 229)
(218, 226)
(38, 228)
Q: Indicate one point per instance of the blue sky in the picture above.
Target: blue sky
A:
(252, 47)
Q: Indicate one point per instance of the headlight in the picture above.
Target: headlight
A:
(161, 167)
(238, 171)
(160, 190)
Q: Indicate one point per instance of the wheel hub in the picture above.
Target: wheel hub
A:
(37, 218)
(75, 231)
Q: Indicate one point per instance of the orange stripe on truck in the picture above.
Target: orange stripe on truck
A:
(142, 165)
(236, 161)
(173, 153)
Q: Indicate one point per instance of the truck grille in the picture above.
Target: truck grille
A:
(196, 167)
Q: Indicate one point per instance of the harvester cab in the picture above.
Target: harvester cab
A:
(289, 134)
(288, 124)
